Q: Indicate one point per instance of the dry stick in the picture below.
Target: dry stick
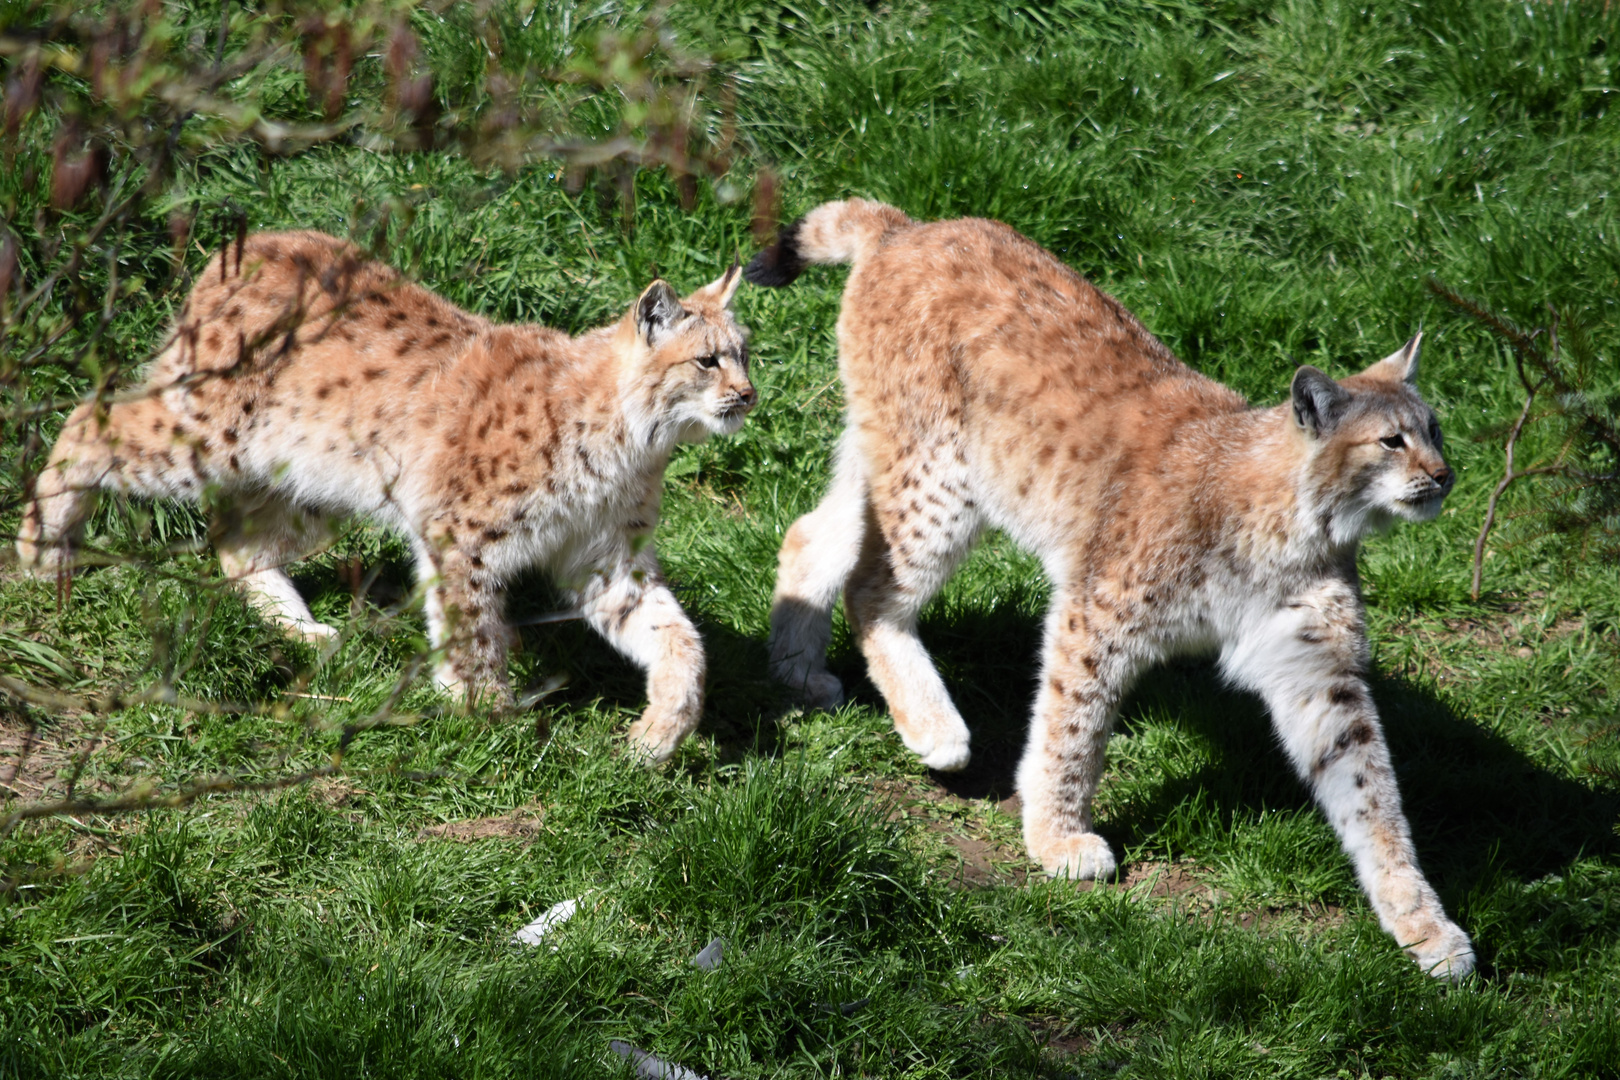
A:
(1490, 512)
(144, 799)
(1523, 344)
(1508, 477)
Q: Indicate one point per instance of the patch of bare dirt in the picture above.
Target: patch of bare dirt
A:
(521, 824)
(1516, 629)
(1317, 916)
(1454, 648)
(35, 766)
(1164, 881)
(37, 762)
(986, 858)
(1190, 890)
(334, 790)
(1512, 634)
(1054, 1035)
(991, 853)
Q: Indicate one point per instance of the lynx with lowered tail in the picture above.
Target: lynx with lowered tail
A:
(303, 382)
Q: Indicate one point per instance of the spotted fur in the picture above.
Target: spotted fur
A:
(304, 382)
(989, 385)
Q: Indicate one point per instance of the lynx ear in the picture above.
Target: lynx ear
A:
(1402, 364)
(725, 287)
(658, 312)
(1319, 402)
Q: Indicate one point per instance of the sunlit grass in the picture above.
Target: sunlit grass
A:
(1265, 184)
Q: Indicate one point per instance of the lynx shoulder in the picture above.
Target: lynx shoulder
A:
(989, 385)
(303, 382)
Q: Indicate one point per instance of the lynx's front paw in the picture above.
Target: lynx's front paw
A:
(1081, 857)
(947, 753)
(1444, 951)
(309, 632)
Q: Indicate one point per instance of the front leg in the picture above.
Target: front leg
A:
(631, 606)
(466, 625)
(1307, 661)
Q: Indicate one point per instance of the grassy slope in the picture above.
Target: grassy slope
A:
(1265, 184)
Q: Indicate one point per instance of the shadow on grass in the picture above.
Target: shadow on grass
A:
(1483, 812)
(743, 705)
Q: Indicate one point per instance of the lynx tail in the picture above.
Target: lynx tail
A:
(835, 232)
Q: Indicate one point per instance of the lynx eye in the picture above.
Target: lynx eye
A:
(710, 361)
(1393, 442)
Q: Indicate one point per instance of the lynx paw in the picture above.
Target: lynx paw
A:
(46, 562)
(446, 681)
(655, 739)
(310, 632)
(494, 696)
(1082, 857)
(1445, 953)
(948, 756)
(814, 689)
(942, 751)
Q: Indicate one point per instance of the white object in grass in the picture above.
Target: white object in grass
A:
(554, 916)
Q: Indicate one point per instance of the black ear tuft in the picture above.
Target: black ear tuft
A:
(779, 264)
(657, 311)
(1319, 402)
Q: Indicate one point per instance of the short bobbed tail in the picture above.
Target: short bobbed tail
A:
(835, 232)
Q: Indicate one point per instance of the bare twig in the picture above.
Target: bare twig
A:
(1546, 379)
(1508, 476)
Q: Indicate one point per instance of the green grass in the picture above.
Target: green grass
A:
(1265, 184)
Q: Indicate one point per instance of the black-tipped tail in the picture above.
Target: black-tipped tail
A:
(781, 263)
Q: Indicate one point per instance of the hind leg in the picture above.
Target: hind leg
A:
(1088, 662)
(919, 526)
(130, 447)
(818, 554)
(256, 538)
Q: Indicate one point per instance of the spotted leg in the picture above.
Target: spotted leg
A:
(918, 528)
(632, 607)
(1307, 661)
(256, 538)
(129, 447)
(466, 623)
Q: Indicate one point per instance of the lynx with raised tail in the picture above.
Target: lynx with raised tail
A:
(989, 385)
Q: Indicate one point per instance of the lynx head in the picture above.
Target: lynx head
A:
(689, 359)
(1374, 445)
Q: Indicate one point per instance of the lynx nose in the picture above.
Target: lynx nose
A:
(747, 394)
(1443, 476)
